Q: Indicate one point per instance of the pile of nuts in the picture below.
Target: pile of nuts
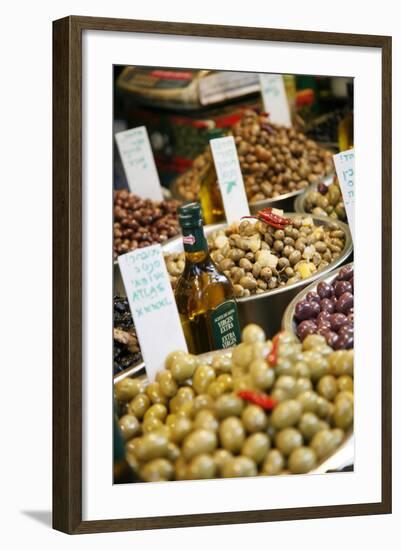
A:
(126, 350)
(257, 258)
(266, 408)
(326, 201)
(276, 160)
(142, 222)
(329, 311)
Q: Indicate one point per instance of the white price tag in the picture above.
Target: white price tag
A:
(139, 164)
(345, 168)
(152, 304)
(229, 178)
(275, 100)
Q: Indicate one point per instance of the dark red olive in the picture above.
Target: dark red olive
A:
(331, 338)
(345, 273)
(322, 188)
(342, 286)
(324, 290)
(337, 320)
(303, 310)
(323, 317)
(305, 328)
(346, 329)
(315, 309)
(323, 328)
(313, 296)
(345, 341)
(327, 305)
(345, 302)
(350, 317)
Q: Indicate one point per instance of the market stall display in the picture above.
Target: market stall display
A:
(126, 350)
(323, 200)
(263, 408)
(141, 222)
(326, 308)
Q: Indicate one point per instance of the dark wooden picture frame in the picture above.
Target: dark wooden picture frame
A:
(67, 273)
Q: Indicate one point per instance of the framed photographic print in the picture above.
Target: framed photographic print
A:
(222, 274)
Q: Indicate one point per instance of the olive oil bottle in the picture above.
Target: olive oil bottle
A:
(204, 296)
(346, 126)
(209, 192)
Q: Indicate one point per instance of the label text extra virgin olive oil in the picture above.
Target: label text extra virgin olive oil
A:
(204, 296)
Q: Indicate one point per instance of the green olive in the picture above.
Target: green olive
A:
(301, 370)
(308, 401)
(129, 426)
(345, 383)
(284, 366)
(309, 425)
(158, 410)
(317, 363)
(203, 401)
(232, 434)
(180, 427)
(286, 413)
(279, 395)
(173, 451)
(172, 358)
(206, 420)
(343, 414)
(201, 467)
(181, 398)
(183, 367)
(274, 463)
(222, 363)
(254, 419)
(262, 375)
(227, 405)
(215, 389)
(286, 383)
(242, 355)
(198, 442)
(239, 466)
(287, 440)
(323, 407)
(155, 394)
(168, 385)
(338, 435)
(243, 382)
(158, 469)
(151, 445)
(342, 362)
(302, 385)
(256, 446)
(260, 350)
(139, 405)
(327, 387)
(226, 380)
(253, 333)
(128, 388)
(313, 341)
(302, 460)
(180, 469)
(220, 457)
(151, 424)
(203, 376)
(323, 443)
(186, 409)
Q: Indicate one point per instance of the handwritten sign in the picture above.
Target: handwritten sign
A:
(139, 164)
(152, 305)
(229, 178)
(275, 100)
(345, 168)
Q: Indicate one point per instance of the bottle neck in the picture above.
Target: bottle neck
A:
(195, 244)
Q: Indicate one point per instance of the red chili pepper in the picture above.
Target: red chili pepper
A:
(268, 216)
(261, 399)
(272, 357)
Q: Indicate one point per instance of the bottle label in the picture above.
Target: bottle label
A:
(225, 325)
(194, 239)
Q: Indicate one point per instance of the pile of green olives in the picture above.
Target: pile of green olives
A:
(195, 422)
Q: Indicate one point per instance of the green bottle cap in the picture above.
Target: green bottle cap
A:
(190, 214)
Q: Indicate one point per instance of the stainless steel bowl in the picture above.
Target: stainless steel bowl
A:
(288, 322)
(342, 458)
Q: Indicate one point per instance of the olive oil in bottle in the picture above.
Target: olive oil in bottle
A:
(209, 193)
(204, 296)
(346, 126)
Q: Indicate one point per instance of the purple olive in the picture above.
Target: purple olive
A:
(346, 329)
(345, 302)
(327, 305)
(342, 286)
(323, 327)
(350, 317)
(331, 338)
(303, 310)
(313, 296)
(345, 273)
(305, 328)
(345, 341)
(337, 320)
(324, 290)
(322, 188)
(315, 308)
(323, 317)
